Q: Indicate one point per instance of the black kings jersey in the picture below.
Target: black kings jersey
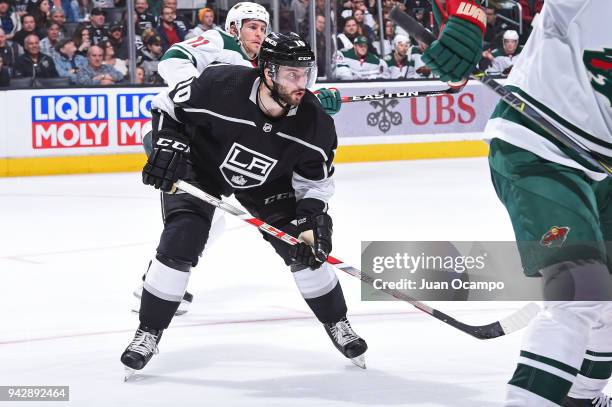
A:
(234, 146)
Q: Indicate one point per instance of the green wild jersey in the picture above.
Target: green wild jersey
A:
(350, 66)
(188, 59)
(565, 71)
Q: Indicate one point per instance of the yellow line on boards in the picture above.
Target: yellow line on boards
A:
(17, 167)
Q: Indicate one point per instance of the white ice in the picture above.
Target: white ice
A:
(74, 247)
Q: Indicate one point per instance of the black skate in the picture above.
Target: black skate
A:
(182, 309)
(347, 341)
(141, 349)
(602, 400)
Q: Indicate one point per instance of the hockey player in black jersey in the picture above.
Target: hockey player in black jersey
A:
(261, 135)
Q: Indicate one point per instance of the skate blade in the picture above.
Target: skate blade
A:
(127, 373)
(359, 361)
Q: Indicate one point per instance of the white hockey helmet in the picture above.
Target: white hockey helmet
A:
(511, 35)
(246, 10)
(400, 38)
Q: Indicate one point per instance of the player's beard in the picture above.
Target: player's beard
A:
(290, 97)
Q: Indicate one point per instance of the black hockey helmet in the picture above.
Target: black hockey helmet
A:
(290, 62)
(287, 50)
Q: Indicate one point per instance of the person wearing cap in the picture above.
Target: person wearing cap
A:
(500, 61)
(401, 66)
(117, 39)
(67, 61)
(151, 55)
(144, 20)
(9, 21)
(98, 28)
(206, 17)
(358, 63)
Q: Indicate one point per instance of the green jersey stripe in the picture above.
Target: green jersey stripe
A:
(551, 362)
(540, 382)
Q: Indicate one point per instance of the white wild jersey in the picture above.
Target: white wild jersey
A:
(189, 58)
(565, 70)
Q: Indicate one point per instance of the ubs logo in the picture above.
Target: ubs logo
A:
(245, 168)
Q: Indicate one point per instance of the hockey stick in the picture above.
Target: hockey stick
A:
(518, 320)
(519, 104)
(398, 95)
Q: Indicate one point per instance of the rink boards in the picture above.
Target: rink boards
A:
(84, 130)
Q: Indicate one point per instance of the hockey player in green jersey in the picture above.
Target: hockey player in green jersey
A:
(358, 63)
(246, 26)
(560, 206)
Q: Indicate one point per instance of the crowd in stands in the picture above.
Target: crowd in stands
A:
(84, 41)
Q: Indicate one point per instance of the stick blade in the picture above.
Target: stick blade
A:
(520, 319)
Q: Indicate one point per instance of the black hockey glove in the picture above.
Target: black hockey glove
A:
(318, 241)
(168, 161)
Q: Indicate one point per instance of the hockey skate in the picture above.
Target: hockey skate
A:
(140, 350)
(347, 341)
(602, 400)
(182, 309)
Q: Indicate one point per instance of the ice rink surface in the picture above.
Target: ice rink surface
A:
(73, 249)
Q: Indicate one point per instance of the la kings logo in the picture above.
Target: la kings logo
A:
(599, 65)
(245, 168)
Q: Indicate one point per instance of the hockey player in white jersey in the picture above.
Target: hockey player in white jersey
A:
(560, 206)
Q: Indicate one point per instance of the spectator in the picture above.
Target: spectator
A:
(98, 29)
(139, 78)
(5, 76)
(364, 29)
(344, 41)
(152, 53)
(47, 44)
(58, 17)
(9, 21)
(8, 51)
(300, 13)
(67, 61)
(69, 10)
(321, 55)
(82, 39)
(95, 72)
(144, 20)
(500, 61)
(182, 22)
(110, 58)
(399, 62)
(206, 17)
(494, 30)
(168, 30)
(28, 26)
(118, 41)
(33, 63)
(422, 17)
(358, 63)
(41, 13)
(387, 42)
(359, 5)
